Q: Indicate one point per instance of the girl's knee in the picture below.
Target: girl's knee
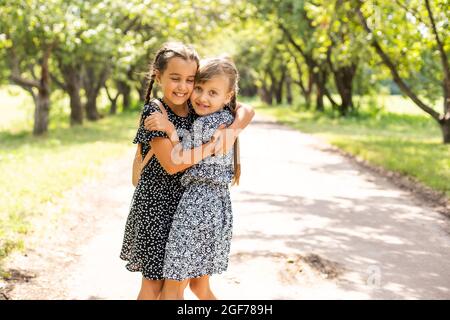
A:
(152, 285)
(198, 285)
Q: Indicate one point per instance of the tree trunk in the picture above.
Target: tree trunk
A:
(278, 94)
(41, 112)
(113, 109)
(92, 84)
(319, 81)
(444, 121)
(113, 100)
(320, 92)
(266, 95)
(344, 83)
(308, 91)
(72, 79)
(76, 108)
(289, 90)
(42, 84)
(279, 86)
(125, 91)
(126, 99)
(71, 74)
(445, 127)
(91, 106)
(272, 89)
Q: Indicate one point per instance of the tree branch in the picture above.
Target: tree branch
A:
(414, 13)
(396, 76)
(17, 79)
(109, 95)
(291, 39)
(299, 70)
(444, 59)
(58, 83)
(328, 95)
(16, 74)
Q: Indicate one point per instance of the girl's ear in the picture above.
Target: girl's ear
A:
(157, 77)
(229, 96)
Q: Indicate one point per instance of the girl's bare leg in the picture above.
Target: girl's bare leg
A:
(173, 290)
(150, 289)
(201, 288)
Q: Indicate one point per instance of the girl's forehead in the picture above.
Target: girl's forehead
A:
(181, 66)
(217, 80)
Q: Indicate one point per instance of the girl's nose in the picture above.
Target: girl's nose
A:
(182, 86)
(202, 98)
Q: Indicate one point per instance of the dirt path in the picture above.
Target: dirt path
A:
(309, 224)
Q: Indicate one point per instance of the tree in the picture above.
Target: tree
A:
(31, 35)
(412, 39)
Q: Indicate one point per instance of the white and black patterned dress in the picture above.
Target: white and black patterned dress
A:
(200, 237)
(154, 203)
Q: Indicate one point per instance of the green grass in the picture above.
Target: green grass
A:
(409, 143)
(36, 171)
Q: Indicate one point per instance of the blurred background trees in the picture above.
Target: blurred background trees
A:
(316, 55)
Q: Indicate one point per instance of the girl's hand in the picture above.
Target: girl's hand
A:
(224, 139)
(156, 121)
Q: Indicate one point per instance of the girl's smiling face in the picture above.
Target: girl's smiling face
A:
(177, 81)
(211, 96)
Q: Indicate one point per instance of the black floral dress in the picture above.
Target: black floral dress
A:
(153, 204)
(200, 237)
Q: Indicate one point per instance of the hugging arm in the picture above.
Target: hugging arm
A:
(243, 116)
(174, 159)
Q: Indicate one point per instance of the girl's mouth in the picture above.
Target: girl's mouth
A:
(203, 106)
(180, 95)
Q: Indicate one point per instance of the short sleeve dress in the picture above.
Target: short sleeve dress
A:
(200, 237)
(154, 202)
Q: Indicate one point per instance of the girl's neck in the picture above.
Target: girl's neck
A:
(180, 110)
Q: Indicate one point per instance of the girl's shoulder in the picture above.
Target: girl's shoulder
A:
(150, 107)
(223, 115)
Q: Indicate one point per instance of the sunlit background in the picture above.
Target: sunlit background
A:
(371, 77)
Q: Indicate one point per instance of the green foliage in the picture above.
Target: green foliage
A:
(404, 30)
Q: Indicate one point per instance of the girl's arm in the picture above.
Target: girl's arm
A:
(174, 159)
(244, 114)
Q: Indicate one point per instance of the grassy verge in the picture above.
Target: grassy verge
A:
(407, 143)
(35, 171)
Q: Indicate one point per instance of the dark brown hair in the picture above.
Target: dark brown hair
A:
(224, 66)
(168, 51)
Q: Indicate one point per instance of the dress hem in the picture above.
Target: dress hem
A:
(139, 270)
(198, 275)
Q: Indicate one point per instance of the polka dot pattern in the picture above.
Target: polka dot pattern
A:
(154, 203)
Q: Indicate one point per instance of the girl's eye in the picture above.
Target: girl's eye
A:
(198, 89)
(175, 79)
(212, 93)
(190, 81)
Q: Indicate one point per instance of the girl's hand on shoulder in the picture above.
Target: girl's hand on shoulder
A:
(223, 139)
(156, 121)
